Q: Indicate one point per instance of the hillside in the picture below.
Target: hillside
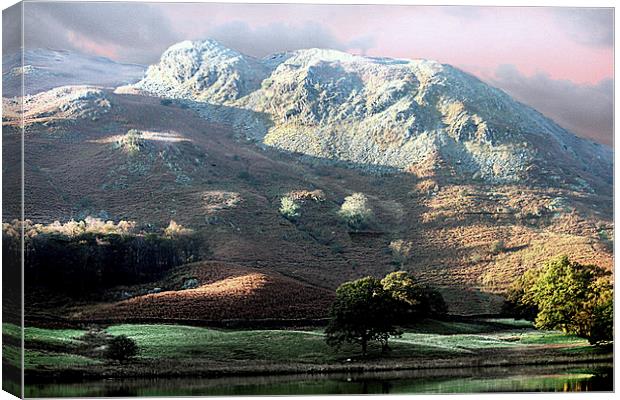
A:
(379, 113)
(208, 178)
(213, 292)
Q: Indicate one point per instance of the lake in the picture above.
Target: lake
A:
(552, 378)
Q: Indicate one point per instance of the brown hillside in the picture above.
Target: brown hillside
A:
(208, 179)
(224, 292)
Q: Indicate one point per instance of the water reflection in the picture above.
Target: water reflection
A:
(593, 377)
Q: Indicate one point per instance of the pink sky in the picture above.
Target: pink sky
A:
(474, 38)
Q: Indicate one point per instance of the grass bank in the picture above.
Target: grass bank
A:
(176, 350)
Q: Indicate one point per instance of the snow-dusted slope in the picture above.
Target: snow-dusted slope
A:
(44, 69)
(375, 112)
(204, 71)
(62, 103)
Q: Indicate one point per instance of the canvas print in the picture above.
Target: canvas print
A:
(290, 199)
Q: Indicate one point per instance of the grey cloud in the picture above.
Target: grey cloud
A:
(11, 29)
(361, 43)
(589, 26)
(586, 110)
(138, 32)
(279, 37)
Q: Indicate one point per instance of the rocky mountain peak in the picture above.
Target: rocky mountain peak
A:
(375, 112)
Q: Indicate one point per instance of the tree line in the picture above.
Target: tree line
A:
(558, 295)
(87, 258)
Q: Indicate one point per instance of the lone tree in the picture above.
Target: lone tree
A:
(121, 348)
(370, 309)
(566, 295)
(362, 312)
(356, 211)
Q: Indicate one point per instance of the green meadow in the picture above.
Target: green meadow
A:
(67, 348)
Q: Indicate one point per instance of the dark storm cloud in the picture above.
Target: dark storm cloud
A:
(589, 26)
(586, 110)
(133, 32)
(277, 37)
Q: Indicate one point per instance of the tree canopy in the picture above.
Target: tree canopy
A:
(361, 313)
(356, 211)
(370, 309)
(569, 296)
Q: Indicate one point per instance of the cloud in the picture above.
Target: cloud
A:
(130, 32)
(586, 110)
(279, 36)
(588, 26)
(361, 43)
(11, 29)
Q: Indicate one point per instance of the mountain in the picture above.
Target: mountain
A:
(44, 69)
(378, 113)
(469, 237)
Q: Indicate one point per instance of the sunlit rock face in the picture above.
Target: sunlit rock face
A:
(377, 113)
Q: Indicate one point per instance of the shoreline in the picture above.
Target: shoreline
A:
(186, 369)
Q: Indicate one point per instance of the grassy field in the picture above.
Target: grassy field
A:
(178, 349)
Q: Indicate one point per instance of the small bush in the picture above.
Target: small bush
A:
(401, 251)
(131, 142)
(190, 283)
(245, 175)
(476, 257)
(121, 348)
(356, 211)
(288, 208)
(497, 247)
(166, 102)
(175, 229)
(302, 195)
(337, 248)
(95, 337)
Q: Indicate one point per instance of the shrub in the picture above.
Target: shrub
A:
(289, 208)
(121, 348)
(165, 102)
(190, 283)
(497, 247)
(131, 142)
(356, 211)
(301, 195)
(175, 229)
(401, 251)
(245, 175)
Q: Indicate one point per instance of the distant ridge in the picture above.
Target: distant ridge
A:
(46, 69)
